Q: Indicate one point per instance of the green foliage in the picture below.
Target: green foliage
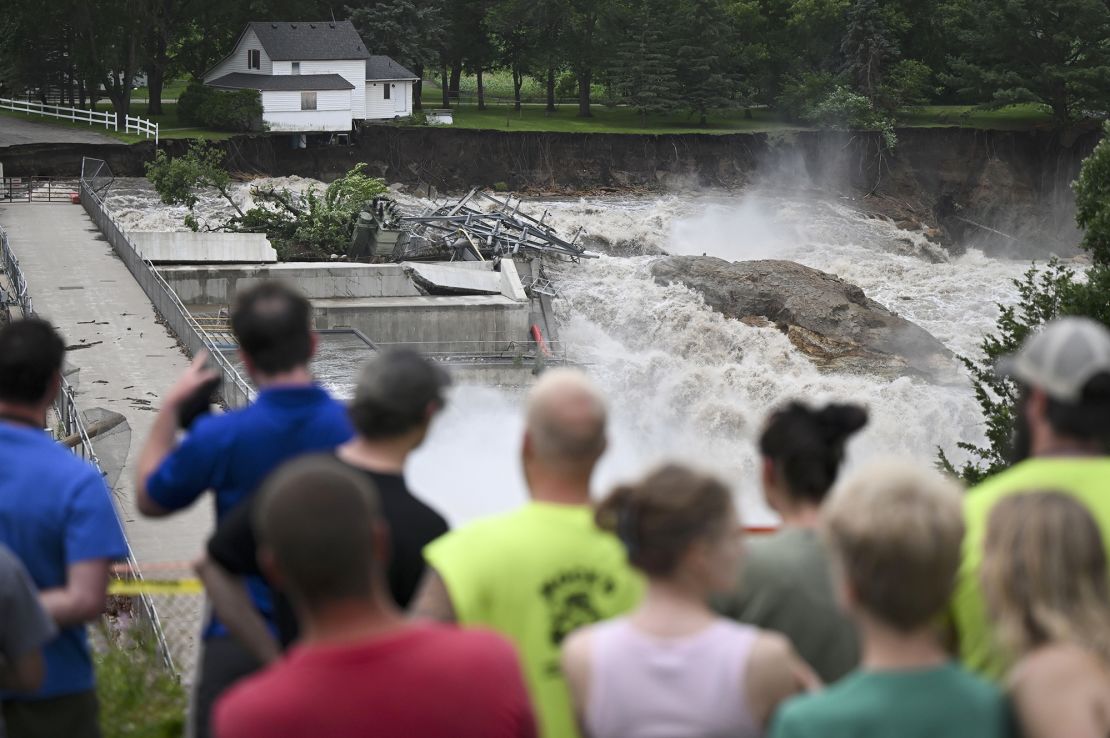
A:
(844, 109)
(1055, 53)
(1042, 297)
(909, 83)
(179, 180)
(701, 57)
(868, 48)
(409, 31)
(223, 110)
(643, 73)
(801, 93)
(138, 696)
(1092, 201)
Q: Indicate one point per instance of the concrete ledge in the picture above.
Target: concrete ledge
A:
(446, 279)
(217, 284)
(189, 247)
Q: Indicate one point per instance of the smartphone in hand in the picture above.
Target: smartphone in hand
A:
(199, 402)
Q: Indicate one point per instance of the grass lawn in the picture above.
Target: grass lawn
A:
(1013, 117)
(622, 120)
(169, 126)
(610, 120)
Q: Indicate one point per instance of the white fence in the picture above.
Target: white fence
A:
(140, 126)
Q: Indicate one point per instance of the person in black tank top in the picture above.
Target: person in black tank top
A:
(397, 396)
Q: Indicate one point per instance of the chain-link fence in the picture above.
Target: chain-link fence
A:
(96, 177)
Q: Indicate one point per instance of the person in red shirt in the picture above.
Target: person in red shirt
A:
(360, 667)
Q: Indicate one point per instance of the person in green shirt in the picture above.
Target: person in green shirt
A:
(539, 572)
(1063, 427)
(785, 584)
(894, 531)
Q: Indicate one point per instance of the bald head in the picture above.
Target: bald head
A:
(565, 423)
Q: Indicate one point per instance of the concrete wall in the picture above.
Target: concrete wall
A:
(189, 247)
(467, 323)
(216, 285)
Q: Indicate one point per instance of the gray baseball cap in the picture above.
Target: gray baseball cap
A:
(1061, 358)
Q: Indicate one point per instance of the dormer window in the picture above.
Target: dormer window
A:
(254, 59)
(296, 67)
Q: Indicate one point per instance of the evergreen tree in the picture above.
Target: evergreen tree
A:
(409, 31)
(868, 47)
(1055, 53)
(643, 72)
(702, 58)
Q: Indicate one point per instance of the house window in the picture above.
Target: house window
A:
(385, 91)
(296, 67)
(254, 59)
(308, 101)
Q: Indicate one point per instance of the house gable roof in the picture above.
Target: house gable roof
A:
(309, 41)
(380, 67)
(282, 82)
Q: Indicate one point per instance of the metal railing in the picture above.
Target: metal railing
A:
(235, 391)
(10, 265)
(107, 118)
(37, 189)
(72, 424)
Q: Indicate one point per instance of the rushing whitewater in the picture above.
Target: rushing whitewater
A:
(686, 383)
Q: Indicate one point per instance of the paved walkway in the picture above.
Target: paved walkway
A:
(14, 131)
(126, 359)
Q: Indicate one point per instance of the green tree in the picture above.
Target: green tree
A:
(1019, 51)
(410, 31)
(703, 58)
(643, 69)
(1043, 295)
(587, 42)
(869, 48)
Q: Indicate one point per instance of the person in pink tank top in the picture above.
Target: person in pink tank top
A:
(673, 668)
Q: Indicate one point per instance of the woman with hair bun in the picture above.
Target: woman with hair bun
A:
(673, 667)
(785, 584)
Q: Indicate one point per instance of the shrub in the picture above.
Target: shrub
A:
(843, 108)
(225, 110)
(800, 93)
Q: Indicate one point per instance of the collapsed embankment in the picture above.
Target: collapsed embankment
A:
(1016, 182)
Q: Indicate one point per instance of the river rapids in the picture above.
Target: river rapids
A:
(684, 382)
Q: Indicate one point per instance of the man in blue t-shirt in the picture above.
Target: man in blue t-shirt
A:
(232, 453)
(57, 517)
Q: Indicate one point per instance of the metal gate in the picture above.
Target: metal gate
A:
(38, 189)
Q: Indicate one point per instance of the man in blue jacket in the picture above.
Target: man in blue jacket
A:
(232, 453)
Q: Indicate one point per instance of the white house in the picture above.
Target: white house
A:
(314, 76)
(388, 88)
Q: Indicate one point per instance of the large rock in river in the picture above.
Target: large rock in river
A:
(828, 319)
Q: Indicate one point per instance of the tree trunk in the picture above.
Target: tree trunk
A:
(551, 90)
(155, 77)
(584, 79)
(481, 92)
(518, 82)
(456, 76)
(445, 87)
(418, 87)
(81, 93)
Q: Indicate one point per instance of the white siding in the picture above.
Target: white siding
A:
(352, 70)
(237, 61)
(282, 111)
(283, 67)
(378, 108)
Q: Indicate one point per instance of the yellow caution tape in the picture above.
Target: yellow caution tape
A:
(131, 587)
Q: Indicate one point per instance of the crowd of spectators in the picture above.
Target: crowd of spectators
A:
(890, 602)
